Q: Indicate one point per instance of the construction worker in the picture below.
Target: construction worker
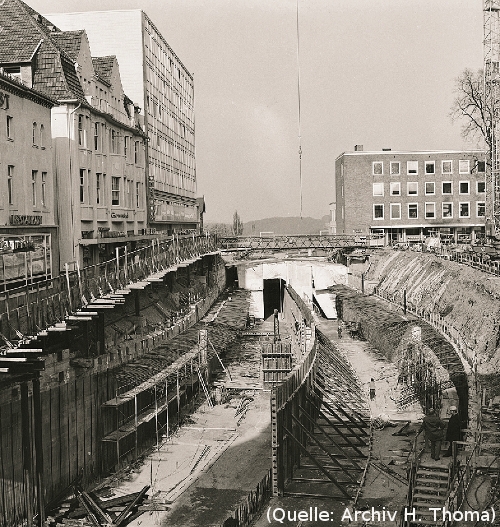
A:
(454, 430)
(339, 329)
(433, 429)
(372, 389)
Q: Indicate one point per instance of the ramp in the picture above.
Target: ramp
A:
(326, 301)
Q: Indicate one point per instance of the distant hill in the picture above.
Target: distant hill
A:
(286, 225)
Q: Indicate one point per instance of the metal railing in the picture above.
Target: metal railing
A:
(29, 309)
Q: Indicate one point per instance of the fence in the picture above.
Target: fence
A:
(29, 309)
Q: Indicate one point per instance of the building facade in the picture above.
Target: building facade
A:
(153, 74)
(98, 142)
(28, 231)
(408, 196)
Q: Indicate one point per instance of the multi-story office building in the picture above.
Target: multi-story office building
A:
(97, 139)
(154, 74)
(410, 195)
(28, 232)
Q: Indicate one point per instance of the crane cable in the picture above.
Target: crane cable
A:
(298, 93)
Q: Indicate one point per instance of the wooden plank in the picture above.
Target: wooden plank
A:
(55, 440)
(47, 443)
(8, 468)
(4, 431)
(72, 431)
(17, 461)
(88, 447)
(79, 446)
(65, 478)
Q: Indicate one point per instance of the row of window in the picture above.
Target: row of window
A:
(37, 136)
(122, 190)
(464, 210)
(464, 167)
(429, 188)
(99, 133)
(38, 187)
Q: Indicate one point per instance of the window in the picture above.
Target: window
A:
(115, 191)
(378, 212)
(43, 197)
(480, 209)
(481, 187)
(481, 166)
(412, 188)
(34, 135)
(138, 195)
(395, 188)
(446, 167)
(412, 167)
(34, 177)
(447, 188)
(98, 188)
(447, 210)
(10, 184)
(430, 188)
(464, 210)
(430, 167)
(463, 187)
(81, 130)
(42, 130)
(126, 146)
(464, 166)
(395, 211)
(378, 189)
(114, 142)
(395, 168)
(377, 168)
(413, 210)
(10, 129)
(136, 152)
(96, 136)
(82, 185)
(430, 210)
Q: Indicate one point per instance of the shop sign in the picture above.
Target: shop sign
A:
(16, 245)
(119, 215)
(28, 219)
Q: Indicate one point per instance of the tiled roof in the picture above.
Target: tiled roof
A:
(25, 31)
(103, 66)
(70, 41)
(18, 38)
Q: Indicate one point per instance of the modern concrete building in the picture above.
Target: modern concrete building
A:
(410, 195)
(28, 231)
(97, 137)
(153, 74)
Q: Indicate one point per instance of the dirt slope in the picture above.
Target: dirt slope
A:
(467, 298)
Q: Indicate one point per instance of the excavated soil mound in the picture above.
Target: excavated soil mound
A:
(468, 299)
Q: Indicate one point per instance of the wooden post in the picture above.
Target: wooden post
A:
(27, 460)
(166, 403)
(178, 400)
(404, 301)
(38, 424)
(136, 425)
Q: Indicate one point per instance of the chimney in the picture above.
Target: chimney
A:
(358, 148)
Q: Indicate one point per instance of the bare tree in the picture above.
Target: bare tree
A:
(473, 106)
(237, 225)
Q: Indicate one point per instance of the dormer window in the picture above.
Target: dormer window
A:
(13, 71)
(35, 132)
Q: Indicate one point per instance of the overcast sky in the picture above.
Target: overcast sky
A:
(374, 72)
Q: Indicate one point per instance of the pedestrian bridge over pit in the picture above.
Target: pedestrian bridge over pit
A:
(298, 242)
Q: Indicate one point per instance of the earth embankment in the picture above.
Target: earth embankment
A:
(468, 299)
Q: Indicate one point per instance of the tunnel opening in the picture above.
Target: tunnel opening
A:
(232, 276)
(274, 290)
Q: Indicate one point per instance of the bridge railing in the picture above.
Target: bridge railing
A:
(27, 310)
(309, 241)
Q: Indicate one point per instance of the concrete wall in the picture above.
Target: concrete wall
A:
(299, 274)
